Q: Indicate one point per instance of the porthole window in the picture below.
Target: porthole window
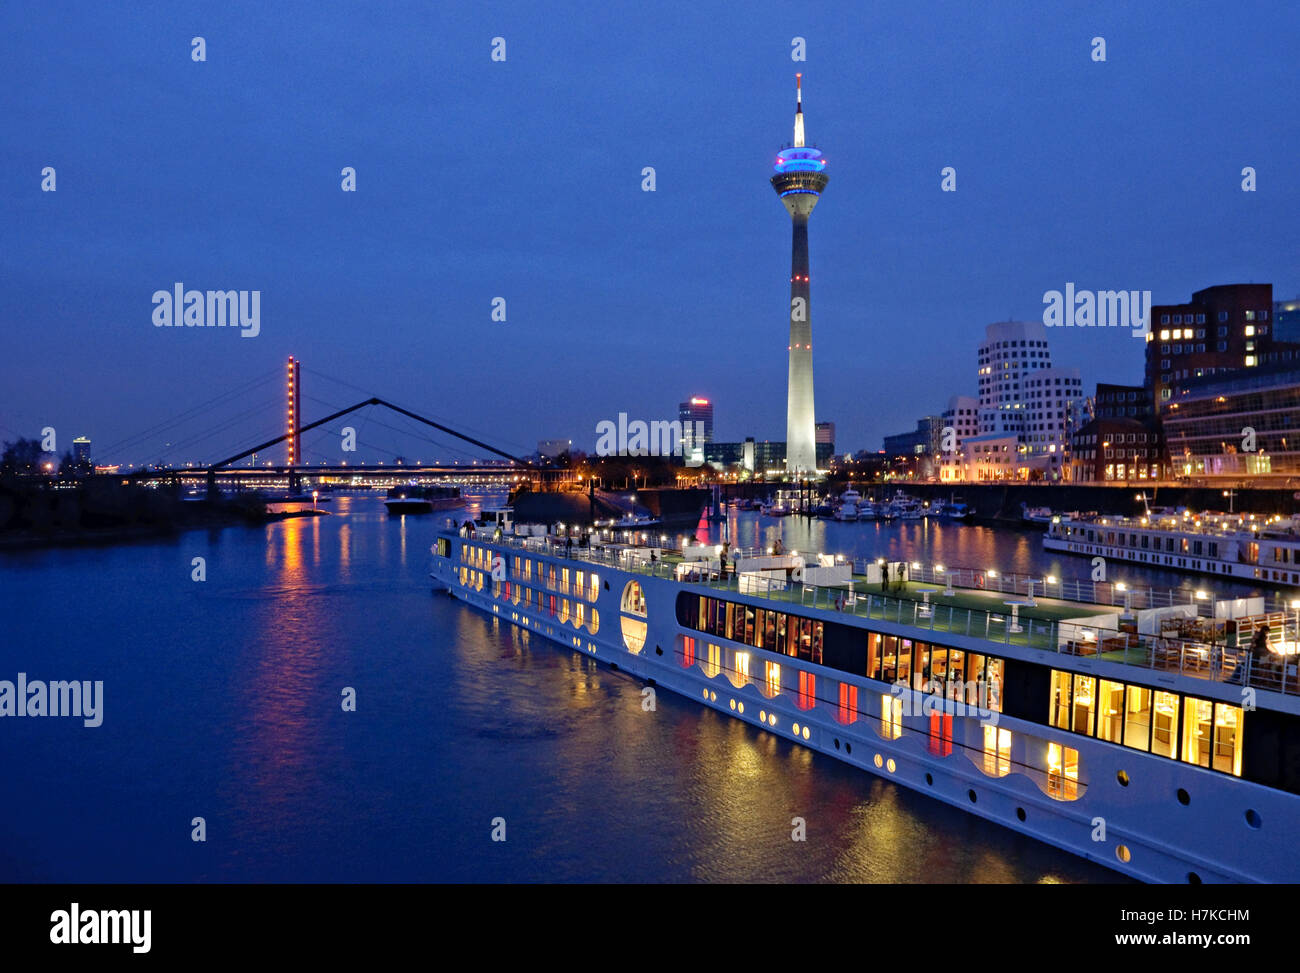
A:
(1020, 813)
(1122, 777)
(1122, 853)
(879, 760)
(1184, 798)
(632, 619)
(971, 795)
(1253, 819)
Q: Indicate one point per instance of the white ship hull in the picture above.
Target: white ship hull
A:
(1139, 827)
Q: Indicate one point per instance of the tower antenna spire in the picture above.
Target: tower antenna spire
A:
(798, 111)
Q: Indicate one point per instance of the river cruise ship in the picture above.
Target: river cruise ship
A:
(1152, 732)
(1245, 547)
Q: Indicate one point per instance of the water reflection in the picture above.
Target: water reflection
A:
(226, 703)
(1007, 549)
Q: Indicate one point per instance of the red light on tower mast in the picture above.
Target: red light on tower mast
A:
(294, 418)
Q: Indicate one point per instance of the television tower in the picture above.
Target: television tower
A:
(799, 181)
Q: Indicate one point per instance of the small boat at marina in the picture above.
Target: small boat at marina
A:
(1036, 515)
(848, 509)
(904, 507)
(955, 510)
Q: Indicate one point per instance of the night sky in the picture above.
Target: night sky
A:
(522, 179)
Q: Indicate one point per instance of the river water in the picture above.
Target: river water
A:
(222, 701)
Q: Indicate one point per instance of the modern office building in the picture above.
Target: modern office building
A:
(1122, 442)
(1010, 352)
(920, 447)
(1222, 329)
(990, 457)
(1054, 408)
(825, 444)
(1022, 394)
(695, 414)
(1244, 423)
(800, 179)
(81, 451)
(962, 417)
(1118, 449)
(1123, 402)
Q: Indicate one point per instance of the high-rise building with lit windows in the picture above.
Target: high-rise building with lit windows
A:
(1222, 329)
(696, 409)
(799, 181)
(1022, 394)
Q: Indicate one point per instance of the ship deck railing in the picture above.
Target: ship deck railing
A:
(1117, 594)
(1046, 621)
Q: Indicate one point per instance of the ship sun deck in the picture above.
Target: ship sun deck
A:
(1167, 630)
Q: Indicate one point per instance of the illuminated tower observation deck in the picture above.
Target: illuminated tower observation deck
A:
(799, 181)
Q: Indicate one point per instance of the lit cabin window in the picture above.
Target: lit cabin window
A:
(1164, 724)
(997, 751)
(741, 676)
(940, 734)
(688, 652)
(848, 703)
(1198, 731)
(1062, 772)
(807, 690)
(633, 602)
(634, 628)
(595, 621)
(713, 660)
(772, 678)
(1110, 711)
(1059, 716)
(1227, 738)
(1084, 708)
(891, 716)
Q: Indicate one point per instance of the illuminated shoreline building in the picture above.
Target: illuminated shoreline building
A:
(695, 410)
(799, 181)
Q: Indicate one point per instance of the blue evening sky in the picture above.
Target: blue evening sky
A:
(522, 179)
